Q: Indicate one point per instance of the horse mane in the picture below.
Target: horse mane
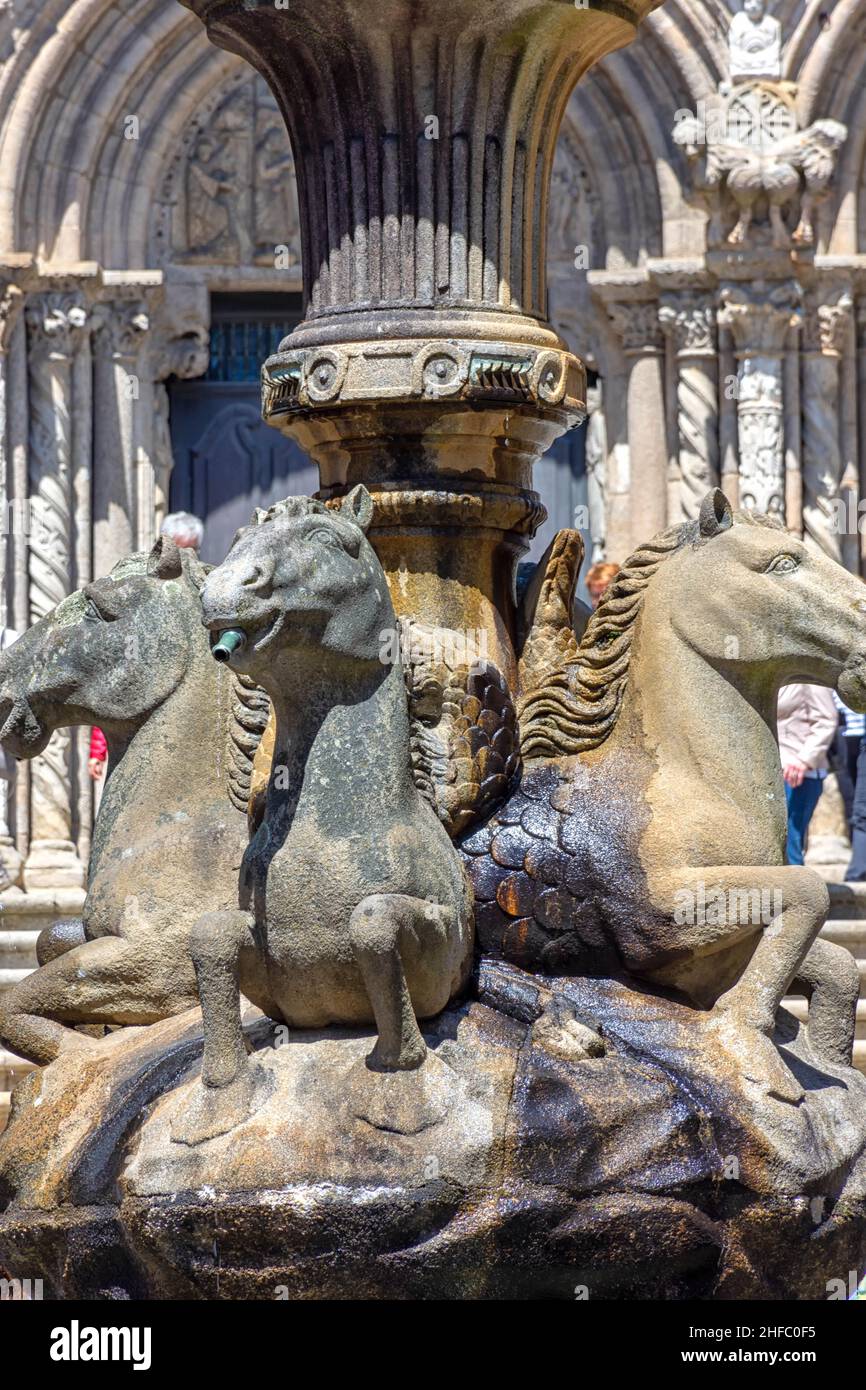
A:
(249, 706)
(577, 704)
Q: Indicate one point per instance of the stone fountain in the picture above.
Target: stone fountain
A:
(604, 1098)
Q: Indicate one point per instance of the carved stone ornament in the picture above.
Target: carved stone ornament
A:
(760, 176)
(231, 187)
(755, 42)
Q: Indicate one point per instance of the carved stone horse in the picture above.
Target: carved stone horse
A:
(648, 830)
(354, 906)
(128, 653)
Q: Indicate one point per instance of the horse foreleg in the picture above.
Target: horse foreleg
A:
(830, 980)
(60, 937)
(227, 1091)
(401, 1087)
(376, 927)
(793, 903)
(105, 981)
(782, 947)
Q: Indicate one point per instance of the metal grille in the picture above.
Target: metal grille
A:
(239, 347)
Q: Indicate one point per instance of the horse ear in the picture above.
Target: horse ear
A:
(716, 514)
(164, 560)
(357, 506)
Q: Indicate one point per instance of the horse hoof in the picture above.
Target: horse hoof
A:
(215, 1110)
(403, 1102)
(756, 1057)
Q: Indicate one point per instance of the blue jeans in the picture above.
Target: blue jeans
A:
(802, 801)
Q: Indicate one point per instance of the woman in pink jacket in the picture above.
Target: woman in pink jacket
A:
(806, 727)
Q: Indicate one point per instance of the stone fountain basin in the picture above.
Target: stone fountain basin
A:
(652, 1171)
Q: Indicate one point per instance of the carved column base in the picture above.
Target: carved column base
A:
(53, 864)
(10, 864)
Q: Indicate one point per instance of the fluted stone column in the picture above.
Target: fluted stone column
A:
(638, 327)
(56, 323)
(425, 366)
(759, 318)
(689, 321)
(826, 328)
(120, 333)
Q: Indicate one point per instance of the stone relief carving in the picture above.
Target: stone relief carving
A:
(231, 189)
(56, 323)
(753, 168)
(755, 42)
(760, 317)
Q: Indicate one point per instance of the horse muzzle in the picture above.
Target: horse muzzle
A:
(851, 685)
(22, 734)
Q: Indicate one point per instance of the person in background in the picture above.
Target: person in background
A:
(598, 576)
(187, 531)
(846, 751)
(856, 871)
(806, 726)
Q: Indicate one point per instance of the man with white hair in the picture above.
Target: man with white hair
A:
(184, 529)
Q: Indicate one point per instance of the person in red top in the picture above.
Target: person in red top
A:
(185, 530)
(98, 754)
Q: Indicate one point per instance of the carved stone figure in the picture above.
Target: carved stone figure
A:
(756, 166)
(129, 653)
(353, 904)
(760, 317)
(238, 177)
(591, 864)
(755, 42)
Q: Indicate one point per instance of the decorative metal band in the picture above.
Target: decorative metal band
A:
(406, 370)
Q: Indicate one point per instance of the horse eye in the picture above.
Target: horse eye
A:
(782, 564)
(326, 538)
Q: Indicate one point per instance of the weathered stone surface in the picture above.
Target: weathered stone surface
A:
(616, 1172)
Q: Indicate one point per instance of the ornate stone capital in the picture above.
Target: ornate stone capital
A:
(760, 316)
(826, 326)
(689, 321)
(56, 323)
(120, 328)
(16, 275)
(11, 304)
(637, 324)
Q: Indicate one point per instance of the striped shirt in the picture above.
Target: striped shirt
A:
(854, 725)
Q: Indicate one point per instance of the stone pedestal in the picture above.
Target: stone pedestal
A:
(425, 366)
(596, 1138)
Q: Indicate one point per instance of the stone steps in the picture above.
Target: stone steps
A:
(798, 1007)
(22, 917)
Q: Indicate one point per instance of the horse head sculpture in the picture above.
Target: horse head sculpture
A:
(128, 653)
